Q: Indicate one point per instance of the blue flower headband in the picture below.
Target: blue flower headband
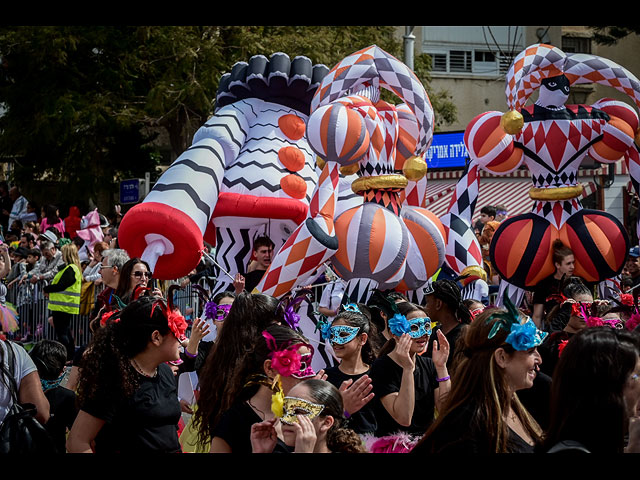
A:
(523, 332)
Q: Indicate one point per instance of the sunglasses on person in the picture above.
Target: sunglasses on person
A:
(141, 274)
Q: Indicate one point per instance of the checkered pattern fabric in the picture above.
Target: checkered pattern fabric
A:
(541, 61)
(374, 63)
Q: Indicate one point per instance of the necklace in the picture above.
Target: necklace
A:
(141, 372)
(258, 411)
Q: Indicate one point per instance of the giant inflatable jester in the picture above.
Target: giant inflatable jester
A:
(552, 139)
(388, 239)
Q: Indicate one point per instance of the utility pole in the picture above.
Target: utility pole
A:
(409, 45)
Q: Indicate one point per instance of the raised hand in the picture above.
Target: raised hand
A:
(264, 436)
(305, 435)
(356, 395)
(440, 352)
(402, 352)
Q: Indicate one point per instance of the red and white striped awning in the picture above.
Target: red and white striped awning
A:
(513, 193)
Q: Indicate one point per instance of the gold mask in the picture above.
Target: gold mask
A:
(297, 406)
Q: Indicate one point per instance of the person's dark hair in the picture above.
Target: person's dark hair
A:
(340, 438)
(370, 349)
(105, 368)
(488, 210)
(558, 316)
(248, 316)
(49, 357)
(449, 293)
(262, 241)
(30, 238)
(220, 295)
(51, 214)
(481, 385)
(560, 251)
(34, 252)
(124, 282)
(587, 403)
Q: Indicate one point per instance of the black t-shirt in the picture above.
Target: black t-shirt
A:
(364, 420)
(234, 427)
(455, 436)
(386, 376)
(63, 411)
(252, 279)
(145, 422)
(545, 288)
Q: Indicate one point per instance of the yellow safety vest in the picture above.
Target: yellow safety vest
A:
(67, 300)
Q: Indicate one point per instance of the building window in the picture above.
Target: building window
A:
(482, 62)
(576, 44)
(460, 61)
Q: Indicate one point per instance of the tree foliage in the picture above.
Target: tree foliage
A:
(610, 35)
(82, 104)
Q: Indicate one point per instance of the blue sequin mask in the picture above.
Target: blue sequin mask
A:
(416, 327)
(341, 334)
(419, 327)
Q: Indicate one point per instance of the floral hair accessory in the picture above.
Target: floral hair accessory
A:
(106, 316)
(627, 299)
(633, 321)
(287, 361)
(213, 311)
(288, 306)
(398, 324)
(325, 329)
(593, 321)
(175, 320)
(561, 345)
(523, 333)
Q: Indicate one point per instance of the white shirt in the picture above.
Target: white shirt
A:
(332, 295)
(23, 366)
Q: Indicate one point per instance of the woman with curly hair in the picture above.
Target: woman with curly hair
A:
(127, 393)
(312, 422)
(497, 357)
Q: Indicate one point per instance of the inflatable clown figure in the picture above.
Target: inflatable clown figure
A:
(249, 171)
(388, 239)
(552, 139)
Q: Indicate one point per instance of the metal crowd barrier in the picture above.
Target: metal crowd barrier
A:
(33, 311)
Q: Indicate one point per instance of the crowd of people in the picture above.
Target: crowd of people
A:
(448, 374)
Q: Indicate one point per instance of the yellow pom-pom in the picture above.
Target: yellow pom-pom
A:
(512, 122)
(277, 399)
(414, 168)
(320, 162)
(637, 138)
(277, 404)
